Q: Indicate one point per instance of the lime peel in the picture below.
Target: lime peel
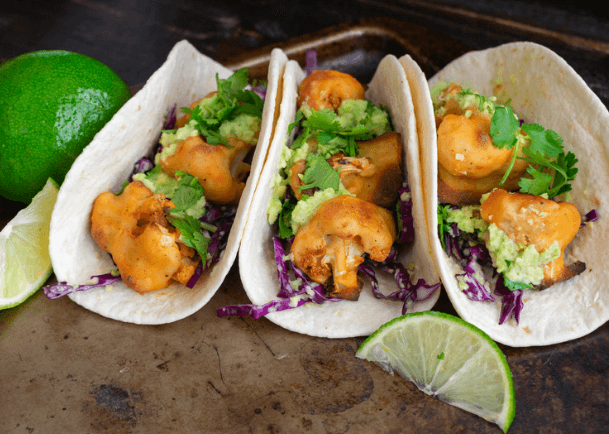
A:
(446, 357)
(25, 263)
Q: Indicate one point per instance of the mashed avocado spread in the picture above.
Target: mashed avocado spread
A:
(327, 133)
(517, 262)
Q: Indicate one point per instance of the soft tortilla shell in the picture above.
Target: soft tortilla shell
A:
(133, 132)
(543, 89)
(256, 259)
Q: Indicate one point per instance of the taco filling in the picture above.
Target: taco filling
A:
(337, 196)
(172, 218)
(500, 181)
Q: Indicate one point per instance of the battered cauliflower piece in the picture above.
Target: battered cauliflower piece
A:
(328, 89)
(220, 169)
(469, 165)
(332, 242)
(146, 249)
(533, 220)
(374, 176)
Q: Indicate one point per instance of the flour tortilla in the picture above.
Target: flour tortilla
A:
(106, 163)
(543, 89)
(388, 87)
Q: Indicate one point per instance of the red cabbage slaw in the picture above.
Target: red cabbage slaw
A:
(219, 217)
(308, 291)
(467, 251)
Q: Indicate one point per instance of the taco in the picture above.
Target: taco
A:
(101, 220)
(515, 172)
(324, 217)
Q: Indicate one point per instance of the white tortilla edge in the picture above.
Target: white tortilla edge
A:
(545, 90)
(132, 133)
(257, 266)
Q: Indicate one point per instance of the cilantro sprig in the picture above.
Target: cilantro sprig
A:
(187, 197)
(284, 220)
(443, 226)
(333, 137)
(319, 174)
(232, 100)
(550, 169)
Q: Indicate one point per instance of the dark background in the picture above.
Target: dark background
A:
(133, 37)
(64, 369)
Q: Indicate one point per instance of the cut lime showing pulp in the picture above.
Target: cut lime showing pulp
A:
(448, 358)
(25, 263)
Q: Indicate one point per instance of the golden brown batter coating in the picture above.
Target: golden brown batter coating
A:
(533, 220)
(375, 175)
(332, 242)
(133, 228)
(379, 180)
(469, 165)
(328, 89)
(213, 165)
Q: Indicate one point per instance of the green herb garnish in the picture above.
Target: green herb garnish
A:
(184, 215)
(515, 286)
(319, 174)
(231, 101)
(285, 219)
(550, 168)
(443, 226)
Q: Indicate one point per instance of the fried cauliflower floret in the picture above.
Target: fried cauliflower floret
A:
(533, 220)
(132, 227)
(328, 90)
(220, 169)
(330, 245)
(374, 176)
(469, 165)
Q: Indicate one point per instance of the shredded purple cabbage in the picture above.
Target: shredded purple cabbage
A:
(511, 301)
(289, 298)
(308, 291)
(171, 118)
(407, 291)
(470, 255)
(310, 61)
(62, 288)
(406, 234)
(142, 166)
(591, 216)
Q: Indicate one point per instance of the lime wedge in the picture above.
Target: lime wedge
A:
(448, 358)
(25, 263)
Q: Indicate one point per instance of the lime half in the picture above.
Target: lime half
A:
(448, 358)
(25, 263)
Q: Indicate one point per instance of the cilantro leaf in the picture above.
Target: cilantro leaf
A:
(231, 101)
(297, 119)
(563, 169)
(443, 226)
(191, 235)
(323, 120)
(187, 194)
(515, 286)
(285, 219)
(538, 184)
(544, 142)
(504, 127)
(320, 174)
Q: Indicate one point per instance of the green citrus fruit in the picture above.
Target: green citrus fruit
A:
(53, 103)
(448, 358)
(25, 263)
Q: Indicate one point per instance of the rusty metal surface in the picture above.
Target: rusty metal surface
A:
(64, 369)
